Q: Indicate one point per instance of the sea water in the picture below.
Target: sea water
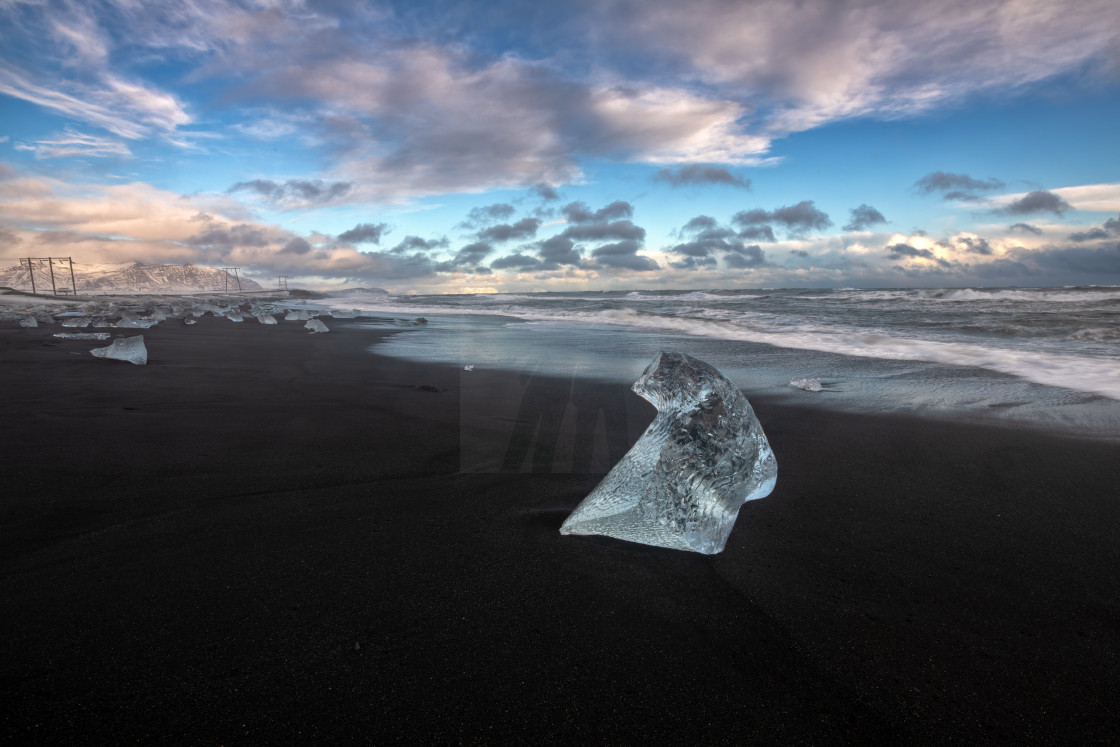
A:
(1048, 357)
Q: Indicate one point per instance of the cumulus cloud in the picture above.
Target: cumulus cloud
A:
(364, 233)
(546, 192)
(486, 214)
(706, 239)
(695, 174)
(862, 217)
(295, 192)
(623, 255)
(419, 244)
(956, 186)
(523, 229)
(516, 262)
(1039, 201)
(1025, 228)
(902, 251)
(578, 212)
(798, 219)
(1110, 229)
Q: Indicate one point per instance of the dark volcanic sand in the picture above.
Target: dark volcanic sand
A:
(267, 535)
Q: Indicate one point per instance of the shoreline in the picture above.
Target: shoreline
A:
(268, 534)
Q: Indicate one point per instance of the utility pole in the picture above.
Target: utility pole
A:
(236, 279)
(282, 282)
(32, 262)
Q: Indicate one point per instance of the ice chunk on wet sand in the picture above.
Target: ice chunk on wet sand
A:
(316, 326)
(266, 319)
(298, 315)
(28, 321)
(76, 321)
(82, 335)
(683, 482)
(808, 385)
(129, 349)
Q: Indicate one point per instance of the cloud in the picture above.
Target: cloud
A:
(72, 143)
(1039, 201)
(1025, 228)
(364, 233)
(798, 219)
(298, 245)
(707, 239)
(578, 212)
(619, 229)
(295, 192)
(900, 251)
(1110, 229)
(419, 244)
(807, 64)
(523, 229)
(516, 262)
(757, 233)
(546, 192)
(486, 214)
(694, 174)
(748, 256)
(472, 254)
(862, 217)
(558, 250)
(956, 186)
(623, 255)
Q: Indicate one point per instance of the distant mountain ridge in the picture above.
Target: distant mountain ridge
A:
(129, 278)
(357, 292)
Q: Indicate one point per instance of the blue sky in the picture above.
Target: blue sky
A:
(460, 147)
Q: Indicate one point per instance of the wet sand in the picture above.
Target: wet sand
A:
(271, 535)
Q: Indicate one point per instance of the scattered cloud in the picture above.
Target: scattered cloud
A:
(295, 192)
(525, 228)
(956, 186)
(1110, 229)
(578, 212)
(697, 174)
(862, 217)
(484, 215)
(364, 233)
(797, 219)
(1025, 228)
(1039, 201)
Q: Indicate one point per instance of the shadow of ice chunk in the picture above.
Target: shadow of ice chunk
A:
(682, 483)
(808, 385)
(316, 326)
(129, 349)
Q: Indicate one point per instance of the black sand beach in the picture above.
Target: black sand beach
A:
(266, 536)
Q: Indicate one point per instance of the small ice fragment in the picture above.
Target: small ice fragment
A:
(341, 314)
(266, 319)
(316, 326)
(469, 367)
(159, 315)
(76, 321)
(683, 482)
(129, 349)
(234, 316)
(297, 315)
(28, 321)
(82, 335)
(808, 385)
(190, 321)
(131, 323)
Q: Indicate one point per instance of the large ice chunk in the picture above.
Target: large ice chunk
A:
(316, 326)
(298, 315)
(266, 319)
(28, 321)
(129, 349)
(808, 385)
(682, 483)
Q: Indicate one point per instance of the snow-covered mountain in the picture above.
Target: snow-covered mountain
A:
(128, 278)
